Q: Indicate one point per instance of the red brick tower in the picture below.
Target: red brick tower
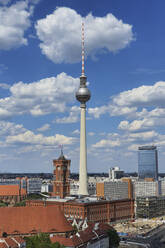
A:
(61, 183)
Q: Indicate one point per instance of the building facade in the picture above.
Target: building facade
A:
(146, 188)
(114, 190)
(61, 174)
(149, 207)
(115, 173)
(147, 162)
(92, 210)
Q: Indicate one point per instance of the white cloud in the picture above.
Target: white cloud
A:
(73, 117)
(44, 128)
(46, 96)
(5, 2)
(150, 135)
(14, 21)
(76, 131)
(107, 143)
(29, 137)
(146, 95)
(33, 1)
(10, 128)
(91, 133)
(5, 86)
(97, 111)
(60, 35)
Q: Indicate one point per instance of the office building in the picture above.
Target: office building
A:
(114, 190)
(115, 173)
(146, 188)
(147, 162)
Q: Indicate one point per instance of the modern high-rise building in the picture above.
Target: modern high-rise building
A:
(148, 162)
(83, 95)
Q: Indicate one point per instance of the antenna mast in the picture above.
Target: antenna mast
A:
(83, 50)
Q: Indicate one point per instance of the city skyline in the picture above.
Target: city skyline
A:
(40, 52)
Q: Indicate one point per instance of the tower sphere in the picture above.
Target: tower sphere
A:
(83, 93)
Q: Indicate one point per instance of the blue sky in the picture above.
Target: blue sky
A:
(40, 65)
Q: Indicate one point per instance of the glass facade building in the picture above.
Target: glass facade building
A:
(147, 162)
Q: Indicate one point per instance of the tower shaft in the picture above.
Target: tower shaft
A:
(83, 95)
(83, 184)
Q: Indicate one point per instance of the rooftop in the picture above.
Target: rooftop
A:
(31, 219)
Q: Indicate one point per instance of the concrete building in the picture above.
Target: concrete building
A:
(115, 173)
(146, 188)
(147, 162)
(47, 188)
(74, 188)
(33, 185)
(114, 190)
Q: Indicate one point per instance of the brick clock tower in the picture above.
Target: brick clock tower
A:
(61, 173)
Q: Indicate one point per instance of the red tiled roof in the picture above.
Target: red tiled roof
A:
(83, 237)
(72, 241)
(3, 245)
(11, 243)
(29, 219)
(19, 240)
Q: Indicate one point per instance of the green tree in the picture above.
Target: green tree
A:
(41, 241)
(114, 238)
(20, 204)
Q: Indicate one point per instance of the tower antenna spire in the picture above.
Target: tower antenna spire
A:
(83, 48)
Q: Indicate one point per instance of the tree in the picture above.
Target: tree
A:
(41, 241)
(114, 238)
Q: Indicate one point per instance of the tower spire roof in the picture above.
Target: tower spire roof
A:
(61, 157)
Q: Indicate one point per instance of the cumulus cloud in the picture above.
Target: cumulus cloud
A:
(44, 128)
(98, 111)
(5, 2)
(76, 132)
(46, 96)
(14, 21)
(73, 117)
(60, 35)
(91, 133)
(5, 86)
(29, 137)
(146, 95)
(10, 128)
(113, 140)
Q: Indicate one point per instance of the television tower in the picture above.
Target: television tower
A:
(83, 95)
